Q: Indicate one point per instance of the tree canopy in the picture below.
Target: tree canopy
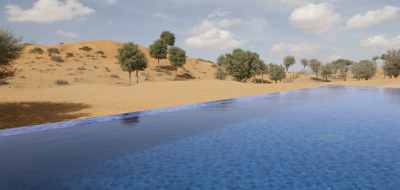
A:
(288, 62)
(391, 66)
(159, 50)
(168, 37)
(364, 70)
(177, 56)
(240, 64)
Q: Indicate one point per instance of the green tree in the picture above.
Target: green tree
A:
(326, 71)
(365, 69)
(315, 66)
(131, 59)
(159, 50)
(288, 62)
(177, 57)
(10, 49)
(341, 67)
(240, 64)
(304, 62)
(262, 69)
(391, 66)
(276, 72)
(168, 37)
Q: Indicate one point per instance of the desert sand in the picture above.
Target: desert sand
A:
(97, 86)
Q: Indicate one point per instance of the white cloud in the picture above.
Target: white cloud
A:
(374, 17)
(314, 17)
(214, 33)
(295, 49)
(48, 11)
(381, 42)
(65, 34)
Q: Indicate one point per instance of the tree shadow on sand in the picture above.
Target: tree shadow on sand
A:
(14, 115)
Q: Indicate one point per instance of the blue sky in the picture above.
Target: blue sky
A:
(323, 29)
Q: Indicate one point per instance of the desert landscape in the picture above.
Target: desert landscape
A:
(86, 81)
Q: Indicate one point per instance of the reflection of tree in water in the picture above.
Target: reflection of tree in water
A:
(392, 95)
(221, 105)
(130, 120)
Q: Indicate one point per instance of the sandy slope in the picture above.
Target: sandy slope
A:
(98, 66)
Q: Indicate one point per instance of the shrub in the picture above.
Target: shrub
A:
(10, 49)
(364, 70)
(52, 51)
(57, 58)
(131, 58)
(114, 76)
(277, 72)
(69, 54)
(61, 82)
(100, 53)
(240, 64)
(86, 48)
(37, 50)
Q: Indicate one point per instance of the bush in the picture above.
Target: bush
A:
(52, 51)
(57, 58)
(100, 53)
(364, 70)
(10, 49)
(240, 64)
(86, 48)
(277, 72)
(61, 82)
(68, 55)
(37, 50)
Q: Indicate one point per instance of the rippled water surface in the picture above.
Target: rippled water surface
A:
(324, 138)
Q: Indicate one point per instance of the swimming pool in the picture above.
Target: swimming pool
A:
(323, 138)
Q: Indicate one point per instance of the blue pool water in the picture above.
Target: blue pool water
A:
(325, 138)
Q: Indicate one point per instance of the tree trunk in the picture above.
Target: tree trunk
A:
(130, 78)
(137, 77)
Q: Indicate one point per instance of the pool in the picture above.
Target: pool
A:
(323, 138)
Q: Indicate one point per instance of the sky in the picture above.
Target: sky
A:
(322, 29)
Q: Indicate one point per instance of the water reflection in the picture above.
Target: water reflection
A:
(130, 121)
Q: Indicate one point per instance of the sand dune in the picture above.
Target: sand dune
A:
(97, 66)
